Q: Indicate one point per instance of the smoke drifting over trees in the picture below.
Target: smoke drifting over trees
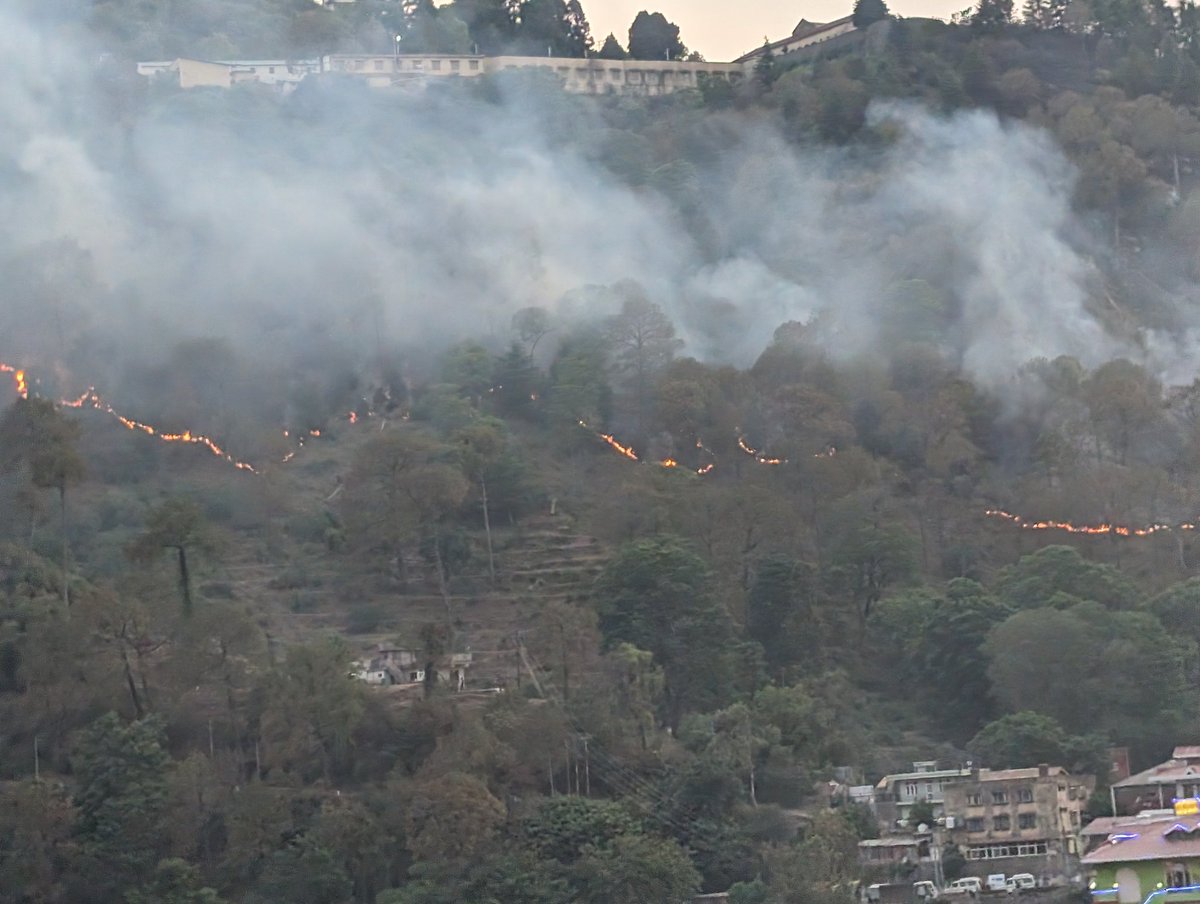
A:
(336, 214)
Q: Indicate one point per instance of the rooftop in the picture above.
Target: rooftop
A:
(1167, 773)
(1165, 838)
(1010, 775)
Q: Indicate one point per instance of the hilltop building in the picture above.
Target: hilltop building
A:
(896, 794)
(640, 78)
(1159, 786)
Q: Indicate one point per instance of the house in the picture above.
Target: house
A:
(283, 75)
(396, 665)
(1155, 859)
(1019, 820)
(882, 855)
(805, 34)
(1100, 829)
(1159, 786)
(896, 794)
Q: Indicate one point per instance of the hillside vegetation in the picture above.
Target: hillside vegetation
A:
(696, 571)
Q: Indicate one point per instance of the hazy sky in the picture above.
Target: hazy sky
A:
(725, 29)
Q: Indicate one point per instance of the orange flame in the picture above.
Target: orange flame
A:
(669, 463)
(758, 456)
(92, 399)
(18, 379)
(1118, 530)
(354, 417)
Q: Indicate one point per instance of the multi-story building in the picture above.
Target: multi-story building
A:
(647, 78)
(1018, 820)
(1159, 786)
(896, 794)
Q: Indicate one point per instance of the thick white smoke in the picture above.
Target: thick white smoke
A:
(339, 211)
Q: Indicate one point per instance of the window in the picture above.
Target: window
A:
(436, 65)
(1000, 851)
(473, 65)
(1001, 823)
(417, 64)
(1178, 875)
(614, 74)
(999, 797)
(455, 65)
(974, 824)
(974, 800)
(910, 789)
(1027, 821)
(1025, 795)
(271, 70)
(379, 65)
(1075, 818)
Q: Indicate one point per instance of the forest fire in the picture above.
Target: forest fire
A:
(1117, 530)
(18, 376)
(758, 456)
(93, 399)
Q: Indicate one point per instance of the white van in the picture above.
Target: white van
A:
(925, 890)
(968, 886)
(1019, 882)
(997, 882)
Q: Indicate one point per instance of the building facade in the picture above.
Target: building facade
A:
(1147, 860)
(895, 795)
(642, 78)
(805, 34)
(1159, 786)
(1019, 820)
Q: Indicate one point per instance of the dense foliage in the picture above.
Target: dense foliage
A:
(812, 583)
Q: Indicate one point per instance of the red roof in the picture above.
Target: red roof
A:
(1163, 839)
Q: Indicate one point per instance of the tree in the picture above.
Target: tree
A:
(566, 635)
(481, 446)
(401, 489)
(654, 595)
(533, 324)
(1028, 739)
(312, 709)
(562, 828)
(868, 559)
(612, 49)
(302, 872)
(35, 435)
(992, 15)
(179, 525)
(557, 25)
(764, 66)
(635, 869)
(781, 595)
(652, 37)
(174, 881)
(452, 820)
(1055, 573)
(643, 343)
(868, 12)
(121, 795)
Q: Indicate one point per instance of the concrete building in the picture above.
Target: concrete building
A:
(896, 794)
(641, 78)
(395, 665)
(806, 34)
(880, 856)
(281, 74)
(1019, 820)
(1159, 786)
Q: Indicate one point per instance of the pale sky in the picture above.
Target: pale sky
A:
(725, 29)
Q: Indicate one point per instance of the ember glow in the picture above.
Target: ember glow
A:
(93, 399)
(1116, 530)
(18, 376)
(758, 456)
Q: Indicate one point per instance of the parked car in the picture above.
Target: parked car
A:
(997, 882)
(925, 890)
(968, 886)
(1019, 882)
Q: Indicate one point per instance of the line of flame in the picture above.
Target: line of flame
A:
(758, 456)
(1119, 530)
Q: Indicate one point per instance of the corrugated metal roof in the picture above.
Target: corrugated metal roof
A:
(1163, 839)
